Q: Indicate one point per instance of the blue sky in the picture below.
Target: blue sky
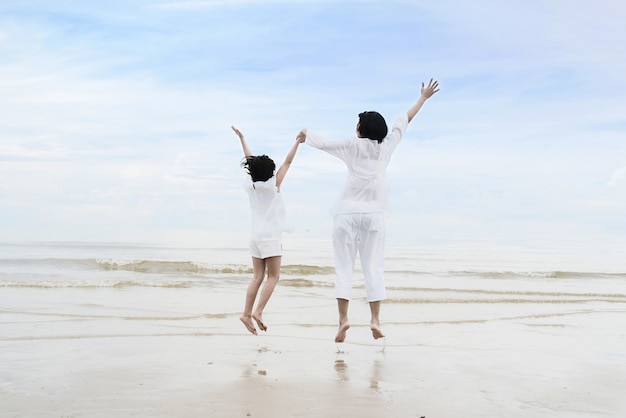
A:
(116, 117)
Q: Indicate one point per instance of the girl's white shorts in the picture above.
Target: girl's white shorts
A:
(266, 249)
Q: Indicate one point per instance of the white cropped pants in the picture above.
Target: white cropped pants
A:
(362, 233)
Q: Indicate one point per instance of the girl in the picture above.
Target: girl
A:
(268, 223)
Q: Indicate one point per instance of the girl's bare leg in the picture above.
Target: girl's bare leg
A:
(344, 324)
(273, 274)
(375, 321)
(258, 273)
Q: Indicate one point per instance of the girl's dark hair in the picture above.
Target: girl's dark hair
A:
(372, 125)
(260, 167)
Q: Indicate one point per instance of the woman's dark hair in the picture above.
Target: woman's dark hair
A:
(260, 167)
(372, 125)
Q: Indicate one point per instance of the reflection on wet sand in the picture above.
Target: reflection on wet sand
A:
(342, 369)
(376, 374)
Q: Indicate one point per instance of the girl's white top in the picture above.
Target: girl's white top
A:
(366, 189)
(268, 215)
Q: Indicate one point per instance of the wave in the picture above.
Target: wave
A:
(181, 267)
(152, 266)
(503, 292)
(161, 266)
(511, 274)
(156, 282)
(583, 299)
(304, 283)
(60, 284)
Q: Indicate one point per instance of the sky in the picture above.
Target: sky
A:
(115, 117)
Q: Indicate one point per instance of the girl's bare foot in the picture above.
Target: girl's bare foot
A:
(259, 322)
(376, 331)
(341, 332)
(247, 321)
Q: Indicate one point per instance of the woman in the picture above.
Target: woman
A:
(359, 213)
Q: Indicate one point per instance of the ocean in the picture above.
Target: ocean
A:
(109, 329)
(200, 288)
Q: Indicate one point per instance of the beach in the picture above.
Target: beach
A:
(138, 331)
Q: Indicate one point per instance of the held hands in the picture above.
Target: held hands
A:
(430, 89)
(301, 137)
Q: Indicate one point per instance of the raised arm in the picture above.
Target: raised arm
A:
(244, 144)
(284, 167)
(427, 92)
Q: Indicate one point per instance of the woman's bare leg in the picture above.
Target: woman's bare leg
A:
(273, 274)
(258, 273)
(344, 324)
(375, 321)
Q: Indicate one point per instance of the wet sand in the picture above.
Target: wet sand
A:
(517, 368)
(170, 344)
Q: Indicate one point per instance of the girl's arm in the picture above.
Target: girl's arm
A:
(244, 144)
(427, 92)
(284, 167)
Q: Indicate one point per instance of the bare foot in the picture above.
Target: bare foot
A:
(376, 331)
(341, 333)
(259, 322)
(247, 321)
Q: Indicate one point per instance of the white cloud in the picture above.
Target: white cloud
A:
(618, 179)
(127, 119)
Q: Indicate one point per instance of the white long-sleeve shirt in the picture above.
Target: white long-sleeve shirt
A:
(366, 189)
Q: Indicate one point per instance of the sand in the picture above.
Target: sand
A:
(494, 369)
(483, 345)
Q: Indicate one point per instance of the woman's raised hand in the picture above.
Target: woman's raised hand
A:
(430, 89)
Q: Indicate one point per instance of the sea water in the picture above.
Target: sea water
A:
(44, 287)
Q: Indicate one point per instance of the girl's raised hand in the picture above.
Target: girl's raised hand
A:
(237, 131)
